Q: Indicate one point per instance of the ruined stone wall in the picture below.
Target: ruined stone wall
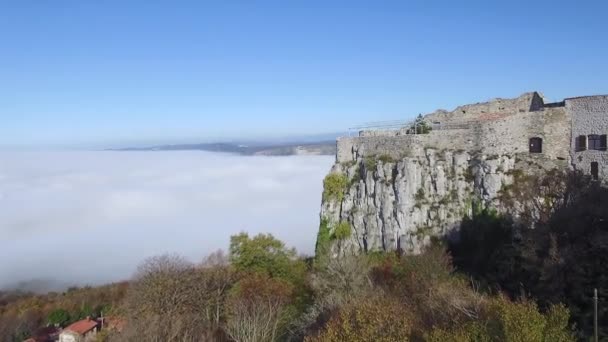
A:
(507, 135)
(350, 149)
(589, 116)
(489, 110)
(511, 135)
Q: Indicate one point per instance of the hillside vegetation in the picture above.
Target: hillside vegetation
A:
(502, 281)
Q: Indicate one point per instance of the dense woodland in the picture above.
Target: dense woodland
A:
(509, 277)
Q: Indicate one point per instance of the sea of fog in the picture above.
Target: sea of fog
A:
(91, 217)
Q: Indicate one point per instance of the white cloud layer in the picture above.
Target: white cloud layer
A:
(91, 217)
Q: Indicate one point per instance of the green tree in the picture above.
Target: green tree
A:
(59, 317)
(85, 311)
(265, 254)
(420, 126)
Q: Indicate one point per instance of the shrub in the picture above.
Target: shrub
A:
(334, 186)
(373, 319)
(342, 231)
(323, 241)
(469, 332)
(557, 324)
(385, 158)
(509, 321)
(518, 322)
(523, 322)
(370, 163)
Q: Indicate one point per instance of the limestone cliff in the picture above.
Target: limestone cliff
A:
(401, 204)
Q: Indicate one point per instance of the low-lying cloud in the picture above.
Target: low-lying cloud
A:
(91, 217)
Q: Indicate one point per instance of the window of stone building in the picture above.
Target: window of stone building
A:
(597, 142)
(581, 143)
(536, 145)
(594, 170)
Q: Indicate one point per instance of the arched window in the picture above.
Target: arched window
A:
(536, 145)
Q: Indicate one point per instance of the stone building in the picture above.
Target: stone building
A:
(82, 331)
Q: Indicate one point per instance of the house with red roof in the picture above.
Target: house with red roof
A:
(81, 331)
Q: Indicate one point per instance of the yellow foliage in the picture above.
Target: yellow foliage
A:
(469, 332)
(519, 321)
(376, 319)
(510, 321)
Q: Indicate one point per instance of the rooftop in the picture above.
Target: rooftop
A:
(83, 326)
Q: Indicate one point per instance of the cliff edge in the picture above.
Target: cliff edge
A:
(399, 189)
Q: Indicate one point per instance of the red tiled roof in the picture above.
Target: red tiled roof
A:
(82, 327)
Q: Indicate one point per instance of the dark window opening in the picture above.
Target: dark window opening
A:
(594, 141)
(597, 142)
(594, 170)
(536, 145)
(581, 143)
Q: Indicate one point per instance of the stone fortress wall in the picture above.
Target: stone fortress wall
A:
(496, 127)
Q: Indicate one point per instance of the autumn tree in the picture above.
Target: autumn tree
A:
(258, 309)
(376, 318)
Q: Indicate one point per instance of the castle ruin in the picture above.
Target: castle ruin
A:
(400, 187)
(570, 133)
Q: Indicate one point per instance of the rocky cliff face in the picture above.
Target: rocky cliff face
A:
(381, 204)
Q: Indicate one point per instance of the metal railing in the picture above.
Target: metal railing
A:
(411, 126)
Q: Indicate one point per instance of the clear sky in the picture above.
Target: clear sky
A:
(84, 73)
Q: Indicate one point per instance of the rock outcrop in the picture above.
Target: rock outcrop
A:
(402, 204)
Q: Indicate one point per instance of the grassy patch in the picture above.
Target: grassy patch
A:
(385, 158)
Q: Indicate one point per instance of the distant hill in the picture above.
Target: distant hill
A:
(265, 149)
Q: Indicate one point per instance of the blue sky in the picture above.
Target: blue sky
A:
(95, 73)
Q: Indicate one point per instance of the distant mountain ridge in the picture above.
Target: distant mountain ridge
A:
(266, 149)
